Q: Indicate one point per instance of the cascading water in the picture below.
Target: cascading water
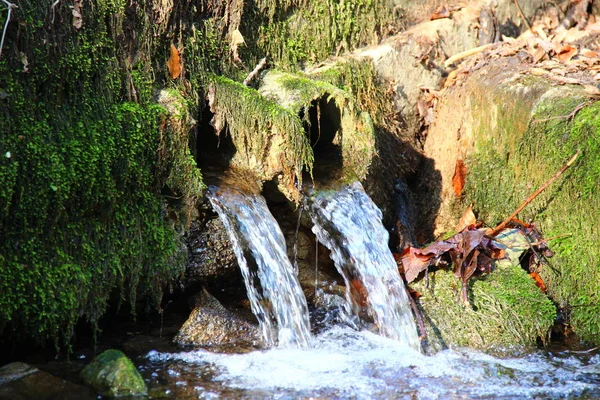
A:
(349, 224)
(273, 289)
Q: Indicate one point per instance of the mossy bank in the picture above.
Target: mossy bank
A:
(514, 132)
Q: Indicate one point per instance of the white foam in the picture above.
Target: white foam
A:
(347, 363)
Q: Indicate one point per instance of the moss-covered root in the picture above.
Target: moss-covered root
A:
(269, 139)
(177, 167)
(331, 116)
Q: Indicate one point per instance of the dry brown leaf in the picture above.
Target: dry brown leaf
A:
(597, 77)
(467, 219)
(564, 80)
(592, 90)
(451, 79)
(590, 53)
(174, 63)
(236, 40)
(566, 52)
(538, 71)
(538, 55)
(538, 281)
(458, 180)
(441, 12)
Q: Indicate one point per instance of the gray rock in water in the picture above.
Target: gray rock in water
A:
(211, 324)
(20, 381)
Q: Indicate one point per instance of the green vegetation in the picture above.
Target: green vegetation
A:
(269, 138)
(507, 311)
(355, 134)
(533, 140)
(296, 32)
(81, 211)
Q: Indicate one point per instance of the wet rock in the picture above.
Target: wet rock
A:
(211, 324)
(211, 257)
(113, 375)
(403, 231)
(20, 381)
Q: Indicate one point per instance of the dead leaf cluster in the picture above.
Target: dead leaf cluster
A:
(474, 249)
(565, 56)
(472, 252)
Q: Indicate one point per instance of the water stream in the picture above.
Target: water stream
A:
(271, 283)
(348, 364)
(343, 362)
(348, 222)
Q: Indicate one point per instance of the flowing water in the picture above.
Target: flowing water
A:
(348, 364)
(272, 286)
(342, 361)
(348, 222)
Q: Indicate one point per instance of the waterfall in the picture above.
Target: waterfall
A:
(259, 245)
(349, 224)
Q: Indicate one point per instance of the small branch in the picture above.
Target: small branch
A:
(501, 226)
(571, 114)
(10, 8)
(415, 309)
(467, 53)
(521, 14)
(546, 240)
(585, 351)
(261, 64)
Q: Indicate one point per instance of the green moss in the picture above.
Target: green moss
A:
(359, 78)
(507, 311)
(297, 32)
(262, 130)
(81, 214)
(356, 134)
(112, 374)
(533, 140)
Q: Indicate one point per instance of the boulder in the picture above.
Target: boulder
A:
(113, 375)
(513, 129)
(210, 324)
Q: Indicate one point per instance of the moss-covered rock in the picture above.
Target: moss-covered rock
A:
(515, 131)
(113, 375)
(330, 116)
(507, 311)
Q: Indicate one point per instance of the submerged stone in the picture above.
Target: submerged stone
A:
(113, 375)
(21, 381)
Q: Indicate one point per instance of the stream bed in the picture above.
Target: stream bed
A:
(347, 364)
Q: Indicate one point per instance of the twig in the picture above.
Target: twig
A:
(546, 240)
(10, 8)
(415, 309)
(261, 64)
(571, 115)
(521, 14)
(467, 53)
(502, 224)
(584, 351)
